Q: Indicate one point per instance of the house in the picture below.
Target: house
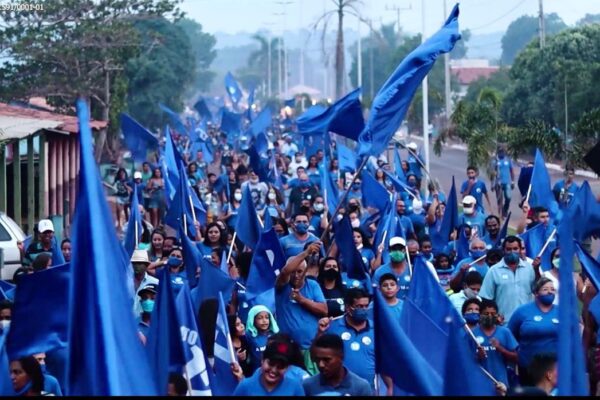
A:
(467, 71)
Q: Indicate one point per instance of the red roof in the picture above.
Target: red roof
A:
(467, 75)
(69, 122)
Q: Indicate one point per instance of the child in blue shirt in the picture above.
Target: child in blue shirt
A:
(260, 325)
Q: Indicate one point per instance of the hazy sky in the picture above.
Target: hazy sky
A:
(481, 16)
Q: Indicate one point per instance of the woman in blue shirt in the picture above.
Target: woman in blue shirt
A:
(361, 243)
(535, 326)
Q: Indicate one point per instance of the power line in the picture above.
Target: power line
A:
(519, 4)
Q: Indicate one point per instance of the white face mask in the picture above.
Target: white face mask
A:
(237, 196)
(355, 223)
(319, 207)
(254, 180)
(4, 324)
(272, 196)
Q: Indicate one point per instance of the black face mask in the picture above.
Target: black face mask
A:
(353, 207)
(330, 274)
(304, 209)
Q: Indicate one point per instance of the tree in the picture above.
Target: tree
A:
(161, 73)
(72, 48)
(460, 48)
(342, 8)
(589, 19)
(499, 80)
(257, 70)
(203, 47)
(523, 30)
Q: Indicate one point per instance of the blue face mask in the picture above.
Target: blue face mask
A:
(360, 315)
(547, 299)
(43, 367)
(24, 389)
(147, 305)
(302, 228)
(511, 258)
(471, 318)
(412, 183)
(356, 186)
(475, 254)
(174, 262)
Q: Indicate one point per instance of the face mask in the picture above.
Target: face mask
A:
(412, 183)
(397, 256)
(546, 299)
(360, 315)
(174, 262)
(139, 268)
(475, 254)
(355, 223)
(305, 185)
(272, 196)
(318, 207)
(556, 263)
(511, 258)
(43, 368)
(302, 228)
(237, 196)
(468, 210)
(501, 155)
(254, 180)
(4, 324)
(330, 274)
(470, 293)
(471, 318)
(304, 209)
(356, 186)
(488, 320)
(147, 305)
(353, 207)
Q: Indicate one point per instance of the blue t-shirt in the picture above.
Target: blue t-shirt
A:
(231, 221)
(474, 220)
(359, 349)
(315, 225)
(404, 226)
(403, 278)
(559, 188)
(292, 246)
(294, 319)
(594, 309)
(477, 190)
(482, 269)
(495, 363)
(504, 165)
(257, 345)
(51, 385)
(536, 331)
(252, 386)
(419, 224)
(367, 256)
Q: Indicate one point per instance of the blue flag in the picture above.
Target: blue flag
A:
(134, 225)
(267, 260)
(7, 291)
(57, 255)
(396, 356)
(462, 245)
(180, 211)
(524, 179)
(393, 99)
(585, 211)
(247, 227)
(373, 193)
(398, 166)
(262, 122)
(306, 122)
(290, 102)
(233, 89)
(398, 184)
(202, 109)
(171, 159)
(137, 138)
(212, 281)
(105, 355)
(175, 119)
(590, 266)
(503, 232)
(541, 192)
(39, 317)
(572, 379)
(534, 240)
(328, 186)
(249, 111)
(223, 382)
(164, 345)
(195, 366)
(6, 387)
(440, 234)
(351, 259)
(346, 157)
(231, 123)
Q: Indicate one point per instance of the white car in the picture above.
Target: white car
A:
(11, 236)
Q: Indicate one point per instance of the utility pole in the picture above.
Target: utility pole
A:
(398, 9)
(542, 26)
(371, 71)
(566, 123)
(359, 58)
(425, 100)
(447, 79)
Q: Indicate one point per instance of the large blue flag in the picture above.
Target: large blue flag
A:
(328, 186)
(203, 110)
(212, 281)
(172, 159)
(175, 119)
(192, 259)
(247, 226)
(223, 381)
(56, 252)
(196, 366)
(6, 387)
(395, 355)
(534, 240)
(398, 165)
(180, 211)
(351, 259)
(541, 192)
(267, 260)
(440, 234)
(590, 266)
(137, 138)
(393, 99)
(585, 213)
(134, 225)
(262, 122)
(572, 377)
(105, 354)
(306, 122)
(39, 317)
(373, 193)
(164, 345)
(231, 123)
(233, 89)
(346, 157)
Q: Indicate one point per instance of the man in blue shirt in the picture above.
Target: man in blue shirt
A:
(492, 231)
(299, 302)
(404, 222)
(333, 379)
(356, 332)
(397, 266)
(472, 216)
(565, 189)
(476, 188)
(505, 177)
(294, 243)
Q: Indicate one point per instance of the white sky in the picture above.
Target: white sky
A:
(481, 16)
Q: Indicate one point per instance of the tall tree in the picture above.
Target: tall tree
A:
(257, 71)
(203, 47)
(525, 29)
(341, 9)
(71, 48)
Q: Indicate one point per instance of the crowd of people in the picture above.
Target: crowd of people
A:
(316, 336)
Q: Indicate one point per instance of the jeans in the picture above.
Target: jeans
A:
(507, 193)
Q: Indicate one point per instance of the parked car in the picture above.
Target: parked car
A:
(11, 243)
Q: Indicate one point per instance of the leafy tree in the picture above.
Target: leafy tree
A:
(460, 49)
(257, 70)
(203, 47)
(589, 19)
(72, 48)
(161, 73)
(523, 30)
(499, 80)
(585, 133)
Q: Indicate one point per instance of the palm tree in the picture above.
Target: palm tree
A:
(259, 59)
(342, 8)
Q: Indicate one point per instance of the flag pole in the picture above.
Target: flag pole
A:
(528, 193)
(184, 223)
(192, 207)
(187, 380)
(476, 261)
(410, 269)
(547, 242)
(470, 332)
(344, 197)
(137, 234)
(231, 247)
(417, 158)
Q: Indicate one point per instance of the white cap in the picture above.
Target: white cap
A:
(397, 240)
(45, 225)
(137, 175)
(469, 203)
(140, 256)
(469, 200)
(412, 146)
(417, 206)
